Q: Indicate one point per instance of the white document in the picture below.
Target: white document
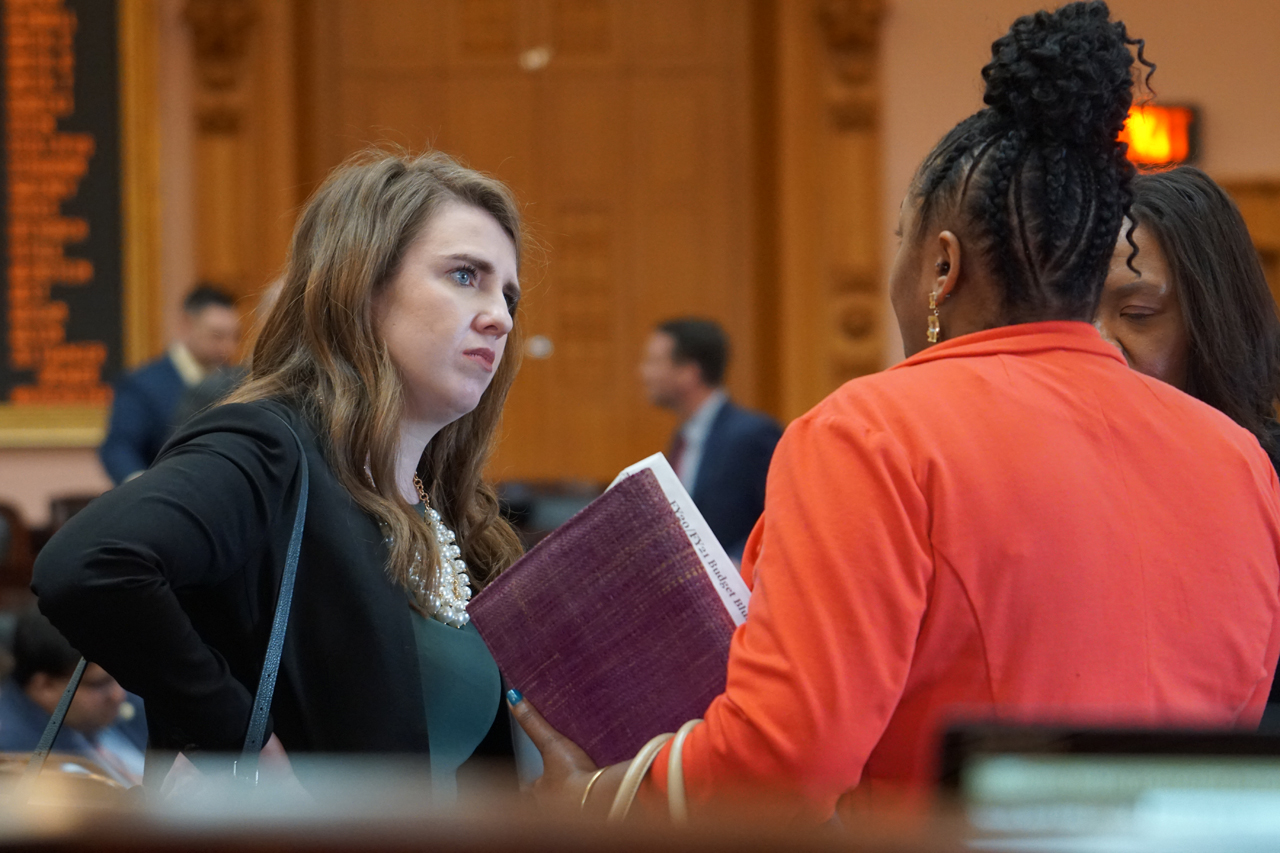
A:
(724, 575)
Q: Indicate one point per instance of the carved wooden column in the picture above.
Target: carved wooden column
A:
(245, 154)
(826, 126)
(140, 120)
(220, 35)
(851, 197)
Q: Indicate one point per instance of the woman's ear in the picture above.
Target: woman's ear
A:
(947, 265)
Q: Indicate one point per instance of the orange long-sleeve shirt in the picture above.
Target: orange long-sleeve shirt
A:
(1011, 521)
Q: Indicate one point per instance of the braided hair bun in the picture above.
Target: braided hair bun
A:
(1038, 180)
(1063, 76)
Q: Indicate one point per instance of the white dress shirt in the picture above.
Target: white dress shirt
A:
(694, 431)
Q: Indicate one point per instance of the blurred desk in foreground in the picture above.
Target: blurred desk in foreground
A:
(1036, 795)
(386, 806)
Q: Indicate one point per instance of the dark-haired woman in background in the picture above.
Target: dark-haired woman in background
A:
(1011, 521)
(1194, 310)
(1197, 313)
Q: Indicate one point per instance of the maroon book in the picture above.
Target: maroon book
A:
(610, 625)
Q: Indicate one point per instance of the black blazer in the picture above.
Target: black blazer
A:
(729, 486)
(169, 582)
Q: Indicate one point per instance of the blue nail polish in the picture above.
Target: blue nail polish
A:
(515, 697)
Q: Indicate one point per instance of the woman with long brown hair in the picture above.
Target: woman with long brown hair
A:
(389, 353)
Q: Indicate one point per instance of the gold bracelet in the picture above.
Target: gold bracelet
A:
(595, 777)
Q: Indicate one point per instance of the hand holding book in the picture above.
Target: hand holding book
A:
(617, 625)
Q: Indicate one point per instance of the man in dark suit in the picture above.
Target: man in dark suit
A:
(142, 412)
(103, 724)
(721, 452)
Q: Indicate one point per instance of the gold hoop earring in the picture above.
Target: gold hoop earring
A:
(935, 322)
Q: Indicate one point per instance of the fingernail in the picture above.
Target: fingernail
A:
(515, 697)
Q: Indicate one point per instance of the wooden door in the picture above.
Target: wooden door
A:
(624, 128)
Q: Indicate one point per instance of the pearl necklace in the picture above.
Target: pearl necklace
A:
(446, 598)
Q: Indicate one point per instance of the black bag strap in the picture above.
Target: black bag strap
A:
(246, 767)
(22, 792)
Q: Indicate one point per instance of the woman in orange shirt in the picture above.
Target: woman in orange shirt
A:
(1010, 522)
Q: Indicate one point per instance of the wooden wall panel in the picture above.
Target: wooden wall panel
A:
(389, 34)
(141, 208)
(1259, 203)
(675, 30)
(583, 28)
(487, 31)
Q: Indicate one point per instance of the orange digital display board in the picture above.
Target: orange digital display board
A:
(1160, 135)
(62, 313)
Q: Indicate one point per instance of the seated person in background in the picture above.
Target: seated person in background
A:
(720, 452)
(1194, 310)
(95, 727)
(142, 412)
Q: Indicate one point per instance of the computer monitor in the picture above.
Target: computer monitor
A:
(1067, 789)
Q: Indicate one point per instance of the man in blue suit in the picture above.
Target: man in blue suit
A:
(721, 452)
(142, 411)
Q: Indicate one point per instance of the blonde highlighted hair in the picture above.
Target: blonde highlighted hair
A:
(318, 350)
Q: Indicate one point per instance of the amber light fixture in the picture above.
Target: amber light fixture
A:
(1161, 135)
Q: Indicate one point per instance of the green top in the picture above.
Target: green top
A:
(461, 690)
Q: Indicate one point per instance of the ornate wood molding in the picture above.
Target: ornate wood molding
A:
(851, 29)
(827, 167)
(140, 122)
(221, 31)
(243, 101)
